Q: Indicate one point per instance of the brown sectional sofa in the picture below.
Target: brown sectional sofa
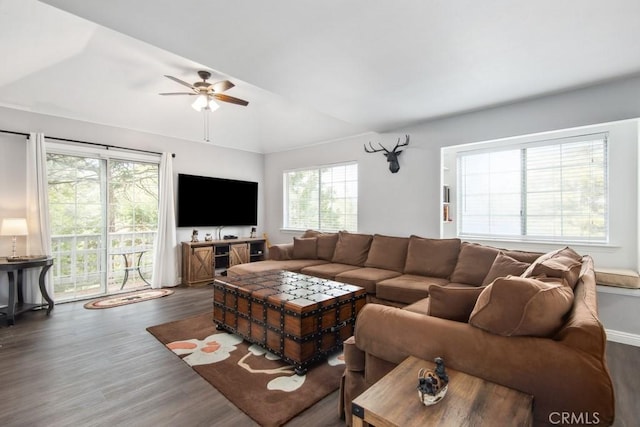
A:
(394, 270)
(525, 320)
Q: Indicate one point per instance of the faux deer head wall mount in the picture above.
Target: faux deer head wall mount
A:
(392, 156)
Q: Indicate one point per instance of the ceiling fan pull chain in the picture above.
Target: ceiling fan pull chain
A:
(205, 111)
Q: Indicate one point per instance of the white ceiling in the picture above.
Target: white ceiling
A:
(311, 70)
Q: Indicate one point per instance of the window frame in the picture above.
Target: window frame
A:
(286, 222)
(522, 144)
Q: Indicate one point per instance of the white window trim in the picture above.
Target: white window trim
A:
(449, 165)
(285, 195)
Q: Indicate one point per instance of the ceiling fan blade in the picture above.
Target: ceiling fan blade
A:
(231, 99)
(222, 86)
(177, 93)
(182, 82)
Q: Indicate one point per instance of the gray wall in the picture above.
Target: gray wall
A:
(409, 202)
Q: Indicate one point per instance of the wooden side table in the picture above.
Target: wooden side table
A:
(470, 401)
(15, 272)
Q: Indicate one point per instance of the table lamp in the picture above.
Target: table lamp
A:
(13, 227)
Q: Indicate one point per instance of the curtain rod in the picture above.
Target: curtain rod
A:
(107, 146)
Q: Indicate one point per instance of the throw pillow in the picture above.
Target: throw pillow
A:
(474, 263)
(327, 245)
(352, 248)
(514, 306)
(311, 233)
(504, 266)
(562, 263)
(431, 257)
(453, 303)
(388, 253)
(305, 248)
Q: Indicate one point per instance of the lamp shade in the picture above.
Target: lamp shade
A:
(14, 227)
(213, 105)
(204, 102)
(200, 102)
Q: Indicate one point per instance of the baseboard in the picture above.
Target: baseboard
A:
(623, 337)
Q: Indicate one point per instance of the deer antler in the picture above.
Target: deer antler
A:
(405, 143)
(373, 150)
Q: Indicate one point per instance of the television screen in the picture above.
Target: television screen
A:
(207, 201)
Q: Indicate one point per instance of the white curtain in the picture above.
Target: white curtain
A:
(39, 238)
(165, 257)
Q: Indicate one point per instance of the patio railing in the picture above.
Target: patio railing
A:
(85, 266)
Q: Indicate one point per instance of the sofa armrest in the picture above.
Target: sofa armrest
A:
(281, 252)
(353, 356)
(561, 378)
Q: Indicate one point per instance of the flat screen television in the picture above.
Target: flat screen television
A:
(207, 201)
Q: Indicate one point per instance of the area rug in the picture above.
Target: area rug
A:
(256, 381)
(128, 298)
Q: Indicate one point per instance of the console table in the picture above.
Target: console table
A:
(200, 260)
(15, 272)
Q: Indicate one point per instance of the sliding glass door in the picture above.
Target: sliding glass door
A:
(103, 223)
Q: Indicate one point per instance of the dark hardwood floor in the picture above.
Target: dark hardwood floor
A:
(84, 367)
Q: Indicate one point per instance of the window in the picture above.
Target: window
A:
(102, 211)
(553, 190)
(322, 198)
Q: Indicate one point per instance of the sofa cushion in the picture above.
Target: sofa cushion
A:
(407, 288)
(305, 248)
(387, 253)
(420, 306)
(365, 277)
(431, 257)
(474, 262)
(523, 256)
(326, 245)
(311, 233)
(352, 248)
(327, 270)
(513, 306)
(504, 266)
(453, 303)
(294, 265)
(562, 263)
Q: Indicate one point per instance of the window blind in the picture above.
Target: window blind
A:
(553, 190)
(322, 198)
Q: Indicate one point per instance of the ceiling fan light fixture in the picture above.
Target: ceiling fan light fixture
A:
(200, 102)
(213, 105)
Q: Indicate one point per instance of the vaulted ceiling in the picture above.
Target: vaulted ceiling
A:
(312, 70)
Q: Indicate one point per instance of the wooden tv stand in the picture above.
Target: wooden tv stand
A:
(201, 260)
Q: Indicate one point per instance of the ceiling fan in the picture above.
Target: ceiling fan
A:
(207, 92)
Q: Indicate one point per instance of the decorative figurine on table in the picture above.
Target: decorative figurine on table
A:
(194, 236)
(208, 237)
(432, 385)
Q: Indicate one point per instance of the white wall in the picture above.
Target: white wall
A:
(409, 202)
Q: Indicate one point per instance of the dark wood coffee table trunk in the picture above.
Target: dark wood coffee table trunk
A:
(302, 319)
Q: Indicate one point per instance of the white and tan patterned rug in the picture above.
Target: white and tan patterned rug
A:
(256, 381)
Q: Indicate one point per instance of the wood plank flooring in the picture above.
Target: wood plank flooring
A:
(84, 367)
(102, 368)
